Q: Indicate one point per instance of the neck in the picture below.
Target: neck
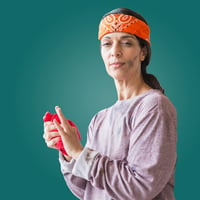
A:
(129, 89)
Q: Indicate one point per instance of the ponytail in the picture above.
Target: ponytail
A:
(149, 79)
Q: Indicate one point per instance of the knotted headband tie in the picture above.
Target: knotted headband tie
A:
(124, 23)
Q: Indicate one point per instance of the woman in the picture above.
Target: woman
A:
(130, 152)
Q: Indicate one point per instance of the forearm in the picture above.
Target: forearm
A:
(117, 178)
(75, 184)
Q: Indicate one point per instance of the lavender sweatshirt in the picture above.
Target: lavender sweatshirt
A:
(130, 152)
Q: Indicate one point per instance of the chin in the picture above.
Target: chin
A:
(118, 77)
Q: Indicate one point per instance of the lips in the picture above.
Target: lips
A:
(116, 64)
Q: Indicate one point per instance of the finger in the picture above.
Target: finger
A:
(59, 127)
(52, 143)
(50, 127)
(63, 119)
(48, 123)
(49, 135)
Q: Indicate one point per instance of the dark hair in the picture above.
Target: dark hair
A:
(149, 79)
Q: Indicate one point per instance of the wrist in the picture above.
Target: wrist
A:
(76, 154)
(67, 158)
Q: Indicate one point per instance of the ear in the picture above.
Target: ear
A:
(143, 54)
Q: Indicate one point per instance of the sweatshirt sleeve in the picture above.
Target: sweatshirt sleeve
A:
(150, 161)
(75, 184)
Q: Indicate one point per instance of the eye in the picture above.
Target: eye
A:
(106, 44)
(127, 43)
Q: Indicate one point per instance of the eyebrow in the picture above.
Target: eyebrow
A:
(122, 37)
(128, 36)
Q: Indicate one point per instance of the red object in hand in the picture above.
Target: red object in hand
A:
(59, 145)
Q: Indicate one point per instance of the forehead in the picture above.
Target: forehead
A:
(118, 35)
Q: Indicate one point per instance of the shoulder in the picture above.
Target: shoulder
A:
(155, 100)
(99, 116)
(153, 108)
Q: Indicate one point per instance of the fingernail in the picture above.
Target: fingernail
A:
(57, 107)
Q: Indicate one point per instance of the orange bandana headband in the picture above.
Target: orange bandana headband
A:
(124, 23)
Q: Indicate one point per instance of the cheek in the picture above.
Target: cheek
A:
(132, 61)
(104, 58)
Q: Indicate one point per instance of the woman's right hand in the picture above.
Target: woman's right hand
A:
(51, 136)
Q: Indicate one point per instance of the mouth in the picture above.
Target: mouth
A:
(116, 65)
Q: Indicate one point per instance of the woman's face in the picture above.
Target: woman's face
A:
(122, 55)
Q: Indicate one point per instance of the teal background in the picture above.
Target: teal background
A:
(50, 56)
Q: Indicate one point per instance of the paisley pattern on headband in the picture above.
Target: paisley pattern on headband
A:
(124, 23)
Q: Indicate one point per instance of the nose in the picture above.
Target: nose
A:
(116, 50)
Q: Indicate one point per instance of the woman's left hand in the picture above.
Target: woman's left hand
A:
(68, 134)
